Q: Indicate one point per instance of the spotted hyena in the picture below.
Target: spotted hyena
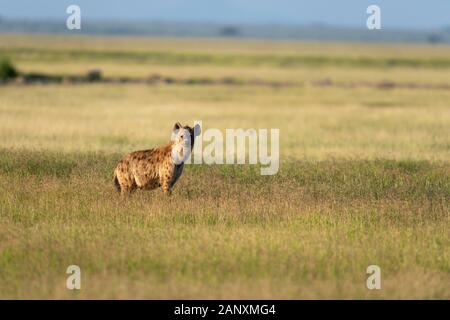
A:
(158, 167)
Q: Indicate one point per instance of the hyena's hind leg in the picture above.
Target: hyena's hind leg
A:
(123, 179)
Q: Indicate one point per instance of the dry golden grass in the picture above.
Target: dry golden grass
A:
(315, 123)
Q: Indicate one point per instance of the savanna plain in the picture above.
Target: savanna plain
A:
(364, 174)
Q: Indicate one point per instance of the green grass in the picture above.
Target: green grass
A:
(311, 223)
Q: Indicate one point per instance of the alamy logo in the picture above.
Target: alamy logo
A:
(374, 280)
(73, 21)
(74, 280)
(374, 20)
(239, 146)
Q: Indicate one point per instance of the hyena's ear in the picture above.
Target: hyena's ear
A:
(177, 126)
(197, 130)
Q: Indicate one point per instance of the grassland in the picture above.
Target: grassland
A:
(364, 176)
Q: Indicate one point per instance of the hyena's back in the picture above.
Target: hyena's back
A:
(139, 169)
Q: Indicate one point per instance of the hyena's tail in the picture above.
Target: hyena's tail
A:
(116, 183)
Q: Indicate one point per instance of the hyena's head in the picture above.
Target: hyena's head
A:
(183, 141)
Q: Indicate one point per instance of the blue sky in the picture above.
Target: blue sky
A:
(405, 14)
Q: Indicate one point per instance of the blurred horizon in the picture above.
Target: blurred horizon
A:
(402, 21)
(312, 32)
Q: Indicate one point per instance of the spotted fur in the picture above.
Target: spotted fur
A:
(158, 167)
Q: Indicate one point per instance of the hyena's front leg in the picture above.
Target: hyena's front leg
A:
(165, 185)
(166, 188)
(128, 189)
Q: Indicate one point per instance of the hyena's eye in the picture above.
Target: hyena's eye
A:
(182, 136)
